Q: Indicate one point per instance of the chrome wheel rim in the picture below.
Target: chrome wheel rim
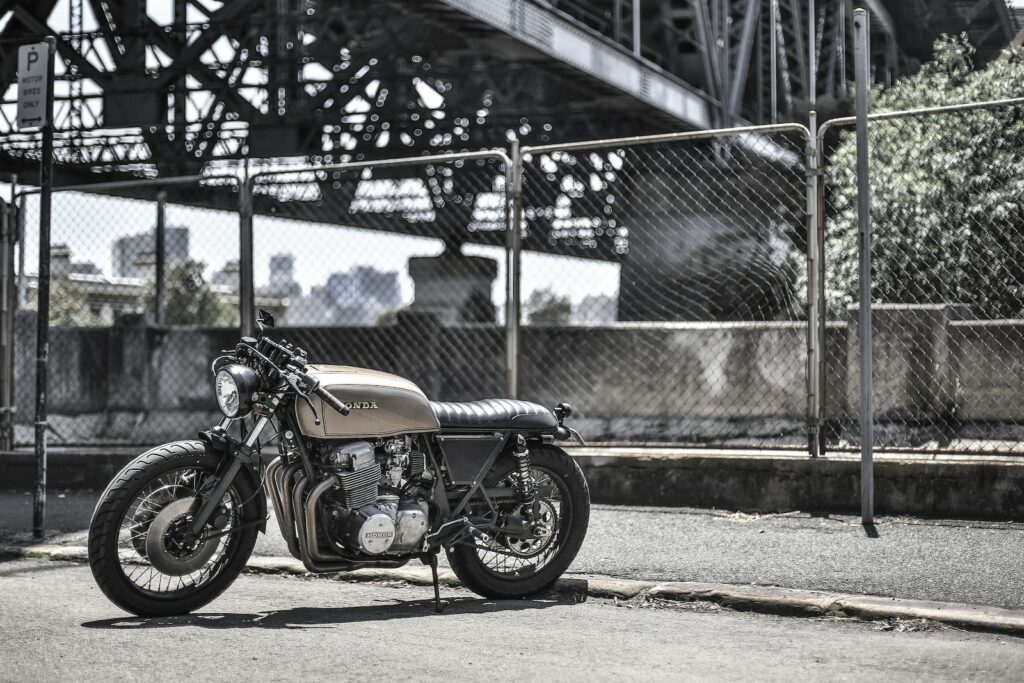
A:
(154, 565)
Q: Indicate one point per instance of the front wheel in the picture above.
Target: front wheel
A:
(510, 567)
(137, 550)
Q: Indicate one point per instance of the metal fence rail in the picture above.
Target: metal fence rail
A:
(948, 278)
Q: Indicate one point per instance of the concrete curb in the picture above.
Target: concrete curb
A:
(764, 599)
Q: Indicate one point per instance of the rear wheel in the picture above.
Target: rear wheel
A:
(137, 547)
(510, 567)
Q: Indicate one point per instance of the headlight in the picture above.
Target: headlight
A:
(234, 386)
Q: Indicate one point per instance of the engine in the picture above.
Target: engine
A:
(365, 511)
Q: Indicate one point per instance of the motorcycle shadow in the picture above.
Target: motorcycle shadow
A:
(318, 617)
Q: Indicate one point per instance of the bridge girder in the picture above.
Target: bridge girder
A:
(208, 82)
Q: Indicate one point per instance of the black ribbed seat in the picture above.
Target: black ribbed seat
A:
(495, 413)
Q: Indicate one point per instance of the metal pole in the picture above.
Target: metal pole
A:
(814, 348)
(43, 298)
(617, 20)
(842, 46)
(812, 62)
(22, 279)
(7, 302)
(636, 27)
(512, 300)
(861, 36)
(161, 254)
(246, 287)
(774, 58)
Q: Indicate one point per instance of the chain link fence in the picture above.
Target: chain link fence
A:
(143, 293)
(398, 266)
(664, 285)
(947, 212)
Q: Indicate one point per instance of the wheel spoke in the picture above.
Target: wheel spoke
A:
(138, 519)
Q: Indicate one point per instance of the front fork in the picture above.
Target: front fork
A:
(240, 452)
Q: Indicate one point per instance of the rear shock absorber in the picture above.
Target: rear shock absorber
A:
(525, 483)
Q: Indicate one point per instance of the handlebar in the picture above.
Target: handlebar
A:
(283, 358)
(330, 400)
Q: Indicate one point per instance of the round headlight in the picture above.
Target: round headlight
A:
(233, 387)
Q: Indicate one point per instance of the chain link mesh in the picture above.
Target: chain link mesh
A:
(396, 267)
(117, 373)
(663, 286)
(947, 280)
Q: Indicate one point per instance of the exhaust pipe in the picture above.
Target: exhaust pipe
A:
(296, 517)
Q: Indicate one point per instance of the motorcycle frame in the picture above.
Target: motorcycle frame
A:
(297, 512)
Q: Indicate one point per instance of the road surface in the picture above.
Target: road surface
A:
(56, 625)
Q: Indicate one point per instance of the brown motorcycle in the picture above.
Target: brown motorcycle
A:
(368, 473)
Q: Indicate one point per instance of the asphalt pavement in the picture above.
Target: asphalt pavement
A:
(58, 626)
(947, 561)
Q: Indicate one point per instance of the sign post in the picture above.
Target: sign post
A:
(35, 110)
(862, 64)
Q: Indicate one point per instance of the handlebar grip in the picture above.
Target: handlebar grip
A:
(330, 400)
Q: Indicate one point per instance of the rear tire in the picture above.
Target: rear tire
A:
(105, 532)
(475, 575)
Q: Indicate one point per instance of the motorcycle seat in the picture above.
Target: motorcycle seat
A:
(494, 413)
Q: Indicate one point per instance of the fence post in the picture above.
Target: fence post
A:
(22, 281)
(161, 254)
(814, 305)
(43, 298)
(513, 240)
(862, 56)
(8, 301)
(246, 287)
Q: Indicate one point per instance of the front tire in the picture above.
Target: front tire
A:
(157, 577)
(490, 574)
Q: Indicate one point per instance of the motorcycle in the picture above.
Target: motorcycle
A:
(368, 473)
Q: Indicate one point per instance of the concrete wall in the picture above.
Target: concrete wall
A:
(728, 383)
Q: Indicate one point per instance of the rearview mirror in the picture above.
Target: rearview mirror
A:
(264, 319)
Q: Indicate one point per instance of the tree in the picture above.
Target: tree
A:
(547, 308)
(69, 306)
(188, 299)
(947, 191)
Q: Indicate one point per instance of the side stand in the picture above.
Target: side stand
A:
(437, 588)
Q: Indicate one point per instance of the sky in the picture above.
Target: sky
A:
(89, 225)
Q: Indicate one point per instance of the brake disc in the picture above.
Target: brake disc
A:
(163, 547)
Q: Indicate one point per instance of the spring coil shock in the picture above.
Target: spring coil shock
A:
(525, 483)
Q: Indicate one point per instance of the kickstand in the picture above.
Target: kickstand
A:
(437, 587)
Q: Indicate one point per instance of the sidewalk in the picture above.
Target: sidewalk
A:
(944, 561)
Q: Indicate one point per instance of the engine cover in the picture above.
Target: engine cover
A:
(370, 529)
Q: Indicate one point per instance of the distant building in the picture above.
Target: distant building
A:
(135, 255)
(282, 277)
(359, 296)
(61, 264)
(109, 297)
(229, 276)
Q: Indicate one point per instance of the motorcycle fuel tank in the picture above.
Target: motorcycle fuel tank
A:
(380, 404)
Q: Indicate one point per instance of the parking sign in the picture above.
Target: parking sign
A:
(33, 78)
